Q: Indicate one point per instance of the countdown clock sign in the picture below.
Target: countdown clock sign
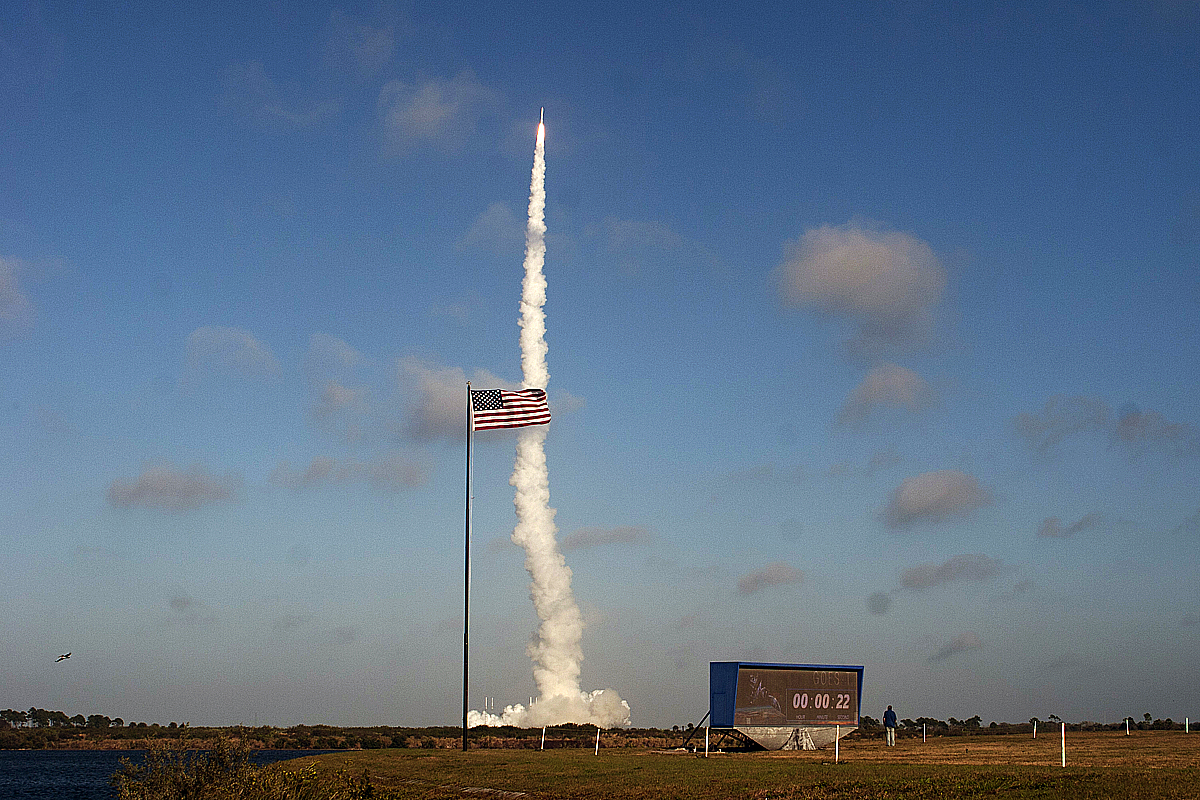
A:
(787, 695)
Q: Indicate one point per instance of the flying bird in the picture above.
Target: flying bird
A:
(62, 658)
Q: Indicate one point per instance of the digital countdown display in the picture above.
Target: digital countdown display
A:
(791, 695)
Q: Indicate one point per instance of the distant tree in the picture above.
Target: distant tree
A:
(14, 718)
(78, 720)
(973, 722)
(118, 723)
(1054, 717)
(98, 721)
(1147, 716)
(1034, 720)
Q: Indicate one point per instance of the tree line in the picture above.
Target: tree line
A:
(952, 726)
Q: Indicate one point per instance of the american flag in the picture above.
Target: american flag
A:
(497, 408)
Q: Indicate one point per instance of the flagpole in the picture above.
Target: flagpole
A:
(467, 573)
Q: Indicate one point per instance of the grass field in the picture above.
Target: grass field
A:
(1148, 764)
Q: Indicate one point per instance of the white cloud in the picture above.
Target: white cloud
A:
(16, 310)
(887, 385)
(214, 350)
(165, 487)
(934, 497)
(887, 282)
(437, 111)
(775, 574)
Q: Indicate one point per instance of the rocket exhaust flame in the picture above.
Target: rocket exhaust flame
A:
(556, 654)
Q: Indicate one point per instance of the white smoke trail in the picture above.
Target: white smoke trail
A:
(556, 654)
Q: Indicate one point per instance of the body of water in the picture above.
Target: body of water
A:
(82, 774)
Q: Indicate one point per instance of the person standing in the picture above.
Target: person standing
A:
(889, 726)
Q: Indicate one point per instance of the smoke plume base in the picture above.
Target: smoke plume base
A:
(603, 708)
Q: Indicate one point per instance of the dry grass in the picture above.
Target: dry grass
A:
(1145, 766)
(1086, 749)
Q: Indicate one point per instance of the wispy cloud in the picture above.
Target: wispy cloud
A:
(438, 111)
(252, 94)
(496, 230)
(1132, 428)
(387, 472)
(934, 497)
(965, 568)
(438, 407)
(596, 537)
(776, 574)
(1052, 527)
(633, 243)
(962, 643)
(356, 47)
(887, 385)
(16, 309)
(213, 350)
(968, 567)
(169, 489)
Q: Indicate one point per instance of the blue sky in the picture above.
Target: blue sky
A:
(873, 338)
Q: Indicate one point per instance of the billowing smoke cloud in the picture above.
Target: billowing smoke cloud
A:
(933, 497)
(1052, 527)
(970, 567)
(596, 537)
(887, 385)
(165, 487)
(774, 574)
(887, 282)
(962, 643)
(16, 310)
(213, 350)
(556, 653)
